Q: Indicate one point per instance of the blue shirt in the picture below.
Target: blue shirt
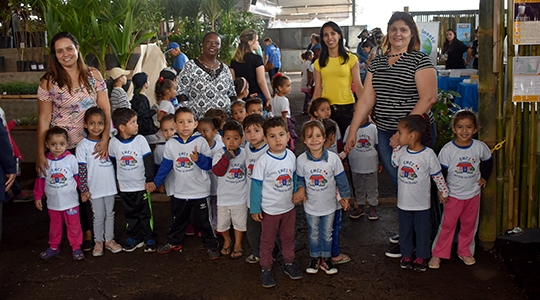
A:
(180, 61)
(274, 55)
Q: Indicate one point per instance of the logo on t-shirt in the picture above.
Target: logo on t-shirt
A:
(183, 161)
(408, 170)
(58, 178)
(317, 179)
(284, 178)
(250, 170)
(235, 173)
(128, 161)
(465, 166)
(363, 142)
(105, 162)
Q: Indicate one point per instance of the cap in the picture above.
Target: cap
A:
(168, 73)
(115, 73)
(171, 46)
(139, 79)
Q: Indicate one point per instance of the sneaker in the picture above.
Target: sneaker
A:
(434, 263)
(166, 248)
(98, 249)
(113, 246)
(393, 252)
(252, 259)
(86, 245)
(372, 214)
(420, 264)
(150, 246)
(213, 254)
(132, 245)
(190, 230)
(468, 260)
(394, 239)
(328, 266)
(406, 263)
(313, 266)
(22, 197)
(49, 253)
(267, 279)
(293, 271)
(357, 213)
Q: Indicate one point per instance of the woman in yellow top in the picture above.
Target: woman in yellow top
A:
(335, 70)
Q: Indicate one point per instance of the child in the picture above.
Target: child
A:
(119, 97)
(320, 172)
(254, 106)
(60, 183)
(364, 166)
(281, 86)
(229, 165)
(208, 127)
(189, 156)
(319, 109)
(141, 105)
(220, 114)
(134, 164)
(469, 164)
(168, 129)
(238, 111)
(306, 83)
(170, 73)
(256, 146)
(165, 90)
(416, 163)
(98, 182)
(241, 86)
(272, 186)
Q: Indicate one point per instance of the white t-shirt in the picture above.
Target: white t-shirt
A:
(363, 158)
(320, 183)
(463, 165)
(414, 171)
(232, 187)
(333, 147)
(169, 180)
(191, 182)
(304, 68)
(280, 104)
(60, 185)
(100, 172)
(129, 155)
(166, 106)
(276, 175)
(213, 178)
(252, 155)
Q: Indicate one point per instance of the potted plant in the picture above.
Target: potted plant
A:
(443, 113)
(6, 40)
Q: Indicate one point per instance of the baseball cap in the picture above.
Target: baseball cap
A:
(115, 73)
(171, 46)
(139, 79)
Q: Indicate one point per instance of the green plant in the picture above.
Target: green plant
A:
(443, 112)
(6, 7)
(19, 88)
(27, 121)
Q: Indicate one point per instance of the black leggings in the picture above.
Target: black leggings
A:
(343, 115)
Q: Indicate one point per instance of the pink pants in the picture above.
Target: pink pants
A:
(272, 226)
(466, 211)
(73, 227)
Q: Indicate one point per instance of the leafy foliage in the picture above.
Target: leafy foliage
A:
(19, 88)
(443, 113)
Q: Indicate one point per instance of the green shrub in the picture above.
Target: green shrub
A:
(443, 113)
(19, 88)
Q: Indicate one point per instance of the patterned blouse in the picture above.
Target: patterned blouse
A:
(203, 88)
(68, 109)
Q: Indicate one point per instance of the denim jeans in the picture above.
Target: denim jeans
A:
(320, 235)
(336, 249)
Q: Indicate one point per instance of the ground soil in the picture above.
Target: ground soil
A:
(190, 275)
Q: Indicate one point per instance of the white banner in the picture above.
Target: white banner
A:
(429, 39)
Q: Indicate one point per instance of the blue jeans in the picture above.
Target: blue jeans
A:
(336, 249)
(414, 229)
(320, 235)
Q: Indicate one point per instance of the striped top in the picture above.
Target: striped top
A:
(395, 87)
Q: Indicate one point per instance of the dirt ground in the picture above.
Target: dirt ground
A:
(190, 275)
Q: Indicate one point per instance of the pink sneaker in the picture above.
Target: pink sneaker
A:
(113, 246)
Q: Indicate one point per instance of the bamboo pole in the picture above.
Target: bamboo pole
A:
(517, 161)
(508, 201)
(523, 202)
(501, 213)
(531, 219)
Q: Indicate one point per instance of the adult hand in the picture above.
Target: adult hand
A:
(394, 140)
(101, 149)
(349, 143)
(10, 178)
(41, 164)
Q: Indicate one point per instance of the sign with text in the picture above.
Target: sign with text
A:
(526, 83)
(429, 39)
(526, 22)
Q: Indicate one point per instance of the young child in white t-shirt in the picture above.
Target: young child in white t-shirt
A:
(168, 129)
(281, 86)
(165, 90)
(98, 182)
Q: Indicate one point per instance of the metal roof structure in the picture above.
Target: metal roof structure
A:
(303, 11)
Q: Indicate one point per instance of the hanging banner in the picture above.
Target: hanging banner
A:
(526, 82)
(429, 39)
(463, 32)
(526, 22)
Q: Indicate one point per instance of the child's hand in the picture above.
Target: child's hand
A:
(299, 196)
(161, 188)
(380, 168)
(194, 156)
(344, 204)
(257, 217)
(442, 199)
(38, 204)
(231, 151)
(85, 196)
(150, 187)
(482, 182)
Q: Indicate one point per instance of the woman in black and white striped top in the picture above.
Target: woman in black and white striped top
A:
(399, 83)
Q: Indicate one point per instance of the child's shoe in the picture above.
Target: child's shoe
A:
(394, 251)
(150, 246)
(113, 246)
(22, 197)
(313, 266)
(49, 253)
(420, 265)
(213, 254)
(372, 214)
(86, 245)
(406, 263)
(252, 259)
(468, 260)
(434, 263)
(357, 213)
(77, 254)
(293, 271)
(394, 239)
(267, 279)
(328, 266)
(132, 245)
(166, 248)
(98, 249)
(190, 230)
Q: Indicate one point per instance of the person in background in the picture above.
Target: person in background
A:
(272, 54)
(241, 87)
(141, 105)
(119, 97)
(472, 52)
(453, 50)
(7, 168)
(306, 82)
(180, 58)
(364, 53)
(165, 91)
(172, 75)
(315, 45)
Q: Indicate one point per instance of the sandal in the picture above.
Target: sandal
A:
(343, 258)
(49, 253)
(226, 250)
(77, 254)
(237, 253)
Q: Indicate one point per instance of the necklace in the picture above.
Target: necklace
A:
(214, 65)
(394, 55)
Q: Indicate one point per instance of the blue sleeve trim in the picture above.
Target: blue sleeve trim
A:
(164, 169)
(147, 153)
(204, 162)
(343, 185)
(444, 166)
(255, 196)
(435, 174)
(300, 181)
